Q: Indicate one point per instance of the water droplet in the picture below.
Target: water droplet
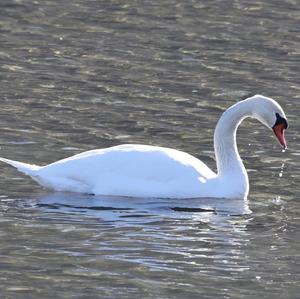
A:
(281, 170)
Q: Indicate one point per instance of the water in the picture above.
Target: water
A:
(78, 75)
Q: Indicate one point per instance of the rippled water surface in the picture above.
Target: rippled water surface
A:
(78, 75)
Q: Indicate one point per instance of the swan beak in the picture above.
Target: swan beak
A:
(279, 132)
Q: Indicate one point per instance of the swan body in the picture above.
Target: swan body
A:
(151, 171)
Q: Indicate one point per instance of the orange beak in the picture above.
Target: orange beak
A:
(279, 132)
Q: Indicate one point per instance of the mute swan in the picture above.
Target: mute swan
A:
(150, 171)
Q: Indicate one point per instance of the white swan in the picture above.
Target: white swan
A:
(151, 171)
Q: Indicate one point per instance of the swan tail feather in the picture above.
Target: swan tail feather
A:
(29, 169)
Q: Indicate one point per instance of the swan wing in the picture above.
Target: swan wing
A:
(130, 170)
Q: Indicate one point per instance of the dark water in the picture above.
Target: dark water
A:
(78, 75)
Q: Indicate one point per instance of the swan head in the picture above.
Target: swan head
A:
(269, 112)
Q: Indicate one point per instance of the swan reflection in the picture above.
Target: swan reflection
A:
(126, 209)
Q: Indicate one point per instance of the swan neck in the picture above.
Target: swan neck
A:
(227, 155)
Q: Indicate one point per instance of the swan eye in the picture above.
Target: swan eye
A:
(280, 120)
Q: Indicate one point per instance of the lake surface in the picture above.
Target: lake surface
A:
(78, 75)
